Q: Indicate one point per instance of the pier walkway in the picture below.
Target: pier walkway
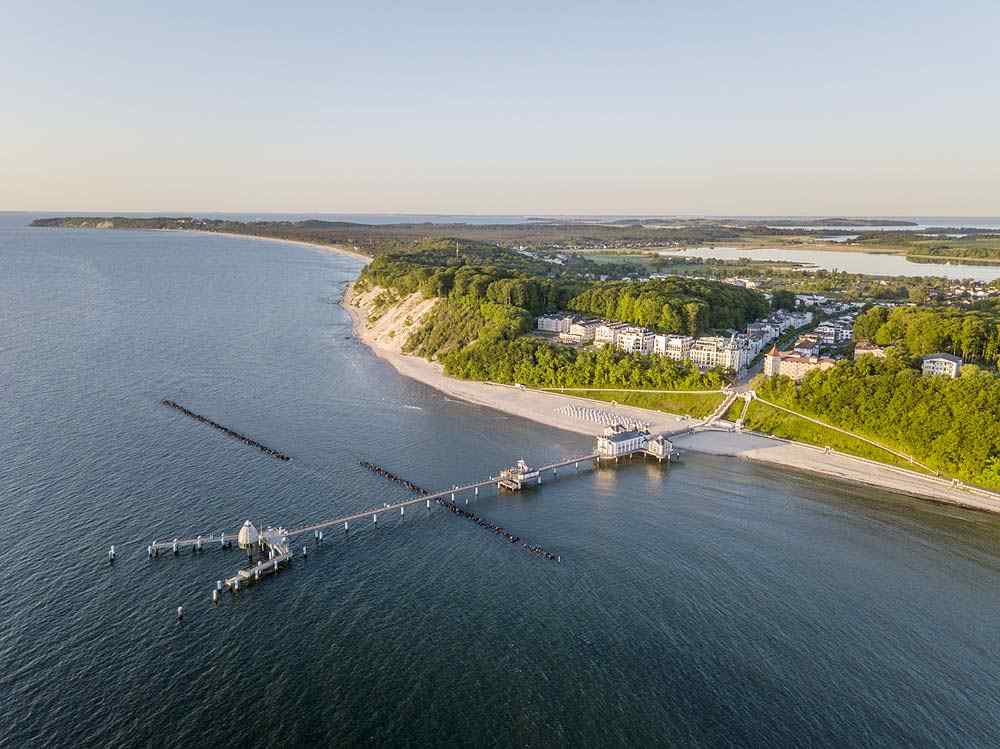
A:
(203, 541)
(273, 545)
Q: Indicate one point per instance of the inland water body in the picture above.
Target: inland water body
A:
(714, 603)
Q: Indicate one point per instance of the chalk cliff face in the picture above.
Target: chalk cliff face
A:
(386, 319)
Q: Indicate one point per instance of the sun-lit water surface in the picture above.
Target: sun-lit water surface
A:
(714, 603)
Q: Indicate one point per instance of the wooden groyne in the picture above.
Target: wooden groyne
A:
(277, 540)
(380, 471)
(231, 432)
(461, 511)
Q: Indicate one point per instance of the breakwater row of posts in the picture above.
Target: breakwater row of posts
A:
(459, 510)
(231, 432)
(380, 471)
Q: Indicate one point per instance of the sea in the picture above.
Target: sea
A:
(710, 603)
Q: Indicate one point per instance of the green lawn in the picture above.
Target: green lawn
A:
(762, 418)
(697, 403)
(733, 412)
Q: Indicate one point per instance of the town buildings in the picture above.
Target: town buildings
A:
(677, 347)
(733, 352)
(807, 344)
(555, 323)
(635, 340)
(941, 364)
(606, 334)
(581, 331)
(794, 365)
(725, 353)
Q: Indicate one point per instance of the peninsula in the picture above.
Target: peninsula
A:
(460, 315)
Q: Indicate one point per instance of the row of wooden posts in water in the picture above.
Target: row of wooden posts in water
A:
(231, 432)
(458, 510)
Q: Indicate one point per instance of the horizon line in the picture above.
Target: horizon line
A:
(177, 213)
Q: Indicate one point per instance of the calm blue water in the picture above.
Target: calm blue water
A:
(715, 604)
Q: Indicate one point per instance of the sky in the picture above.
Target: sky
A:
(657, 108)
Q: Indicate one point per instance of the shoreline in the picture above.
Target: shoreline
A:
(539, 407)
(332, 248)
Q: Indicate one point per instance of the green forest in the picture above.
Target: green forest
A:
(533, 362)
(455, 274)
(673, 305)
(973, 335)
(477, 329)
(952, 425)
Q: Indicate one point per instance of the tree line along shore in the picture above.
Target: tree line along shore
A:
(865, 235)
(486, 297)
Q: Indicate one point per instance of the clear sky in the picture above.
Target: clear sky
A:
(862, 108)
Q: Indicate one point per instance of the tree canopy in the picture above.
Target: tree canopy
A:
(673, 305)
(918, 331)
(952, 425)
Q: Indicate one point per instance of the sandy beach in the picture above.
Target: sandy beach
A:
(387, 335)
(384, 340)
(335, 249)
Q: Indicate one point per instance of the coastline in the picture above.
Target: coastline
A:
(333, 248)
(540, 407)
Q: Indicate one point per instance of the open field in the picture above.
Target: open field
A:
(698, 404)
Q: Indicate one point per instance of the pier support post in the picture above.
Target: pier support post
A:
(175, 547)
(218, 584)
(402, 510)
(477, 491)
(149, 552)
(453, 496)
(321, 536)
(215, 596)
(428, 504)
(305, 551)
(236, 585)
(345, 526)
(374, 519)
(111, 554)
(576, 466)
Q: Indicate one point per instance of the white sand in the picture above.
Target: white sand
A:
(540, 407)
(387, 336)
(337, 249)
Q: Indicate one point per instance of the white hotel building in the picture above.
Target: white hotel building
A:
(715, 351)
(677, 347)
(635, 340)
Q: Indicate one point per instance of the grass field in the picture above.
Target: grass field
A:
(762, 418)
(696, 403)
(733, 412)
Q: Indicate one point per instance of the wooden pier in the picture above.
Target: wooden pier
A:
(274, 544)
